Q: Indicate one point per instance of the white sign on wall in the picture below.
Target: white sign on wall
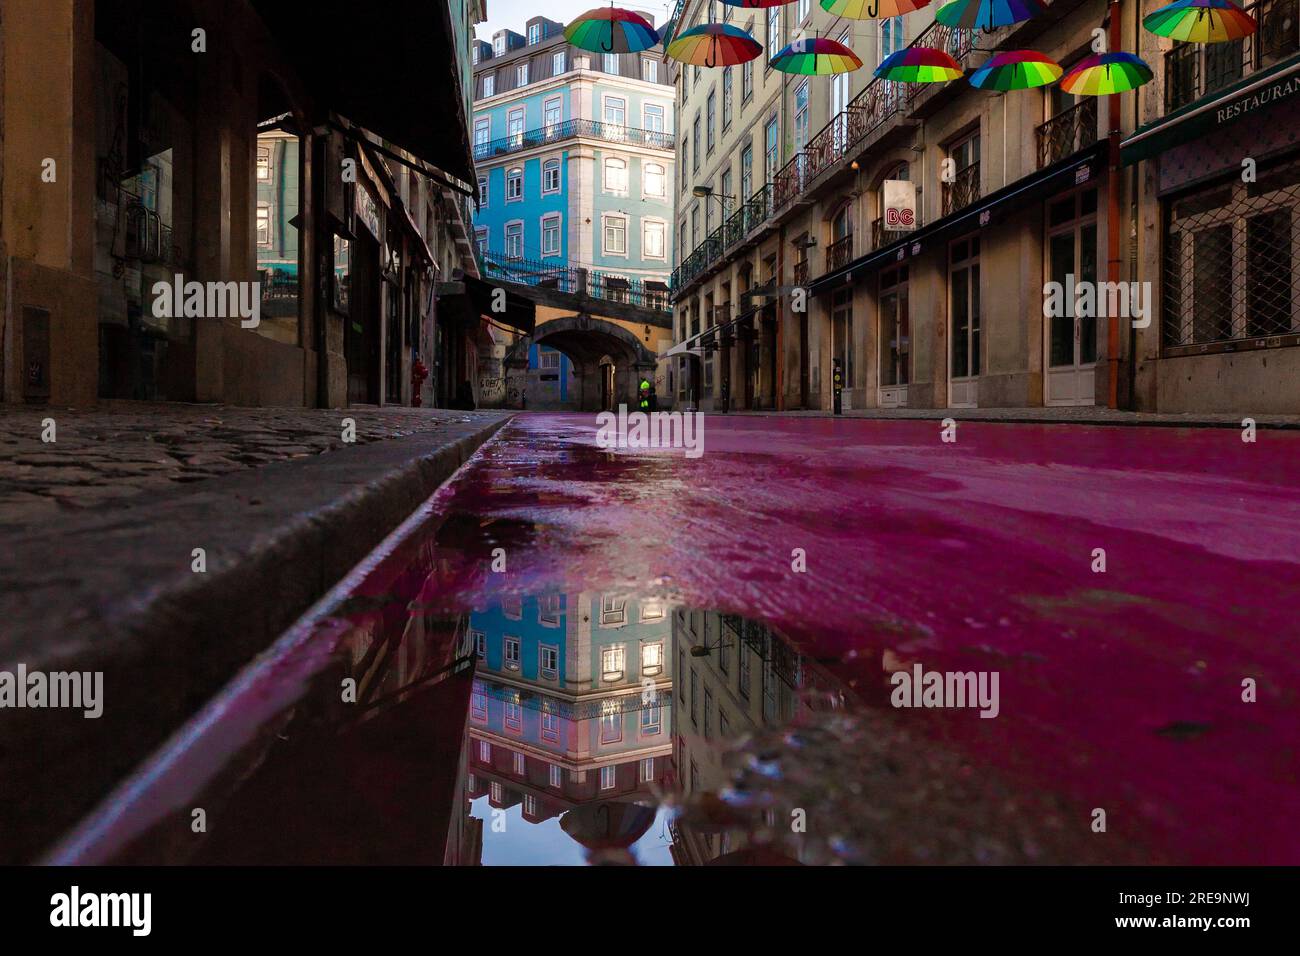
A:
(899, 197)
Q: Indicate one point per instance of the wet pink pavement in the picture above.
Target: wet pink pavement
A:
(1120, 690)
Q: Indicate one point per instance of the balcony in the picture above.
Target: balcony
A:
(801, 272)
(570, 129)
(1194, 70)
(839, 252)
(572, 280)
(1068, 132)
(752, 213)
(963, 190)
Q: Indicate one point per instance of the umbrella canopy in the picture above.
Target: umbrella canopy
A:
(1104, 73)
(871, 9)
(611, 30)
(1200, 21)
(919, 64)
(756, 4)
(987, 14)
(1016, 70)
(816, 57)
(714, 44)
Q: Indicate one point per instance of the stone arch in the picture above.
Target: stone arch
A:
(586, 340)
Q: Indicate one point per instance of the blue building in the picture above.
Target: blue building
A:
(574, 153)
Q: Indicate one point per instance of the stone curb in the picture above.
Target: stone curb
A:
(113, 592)
(1022, 416)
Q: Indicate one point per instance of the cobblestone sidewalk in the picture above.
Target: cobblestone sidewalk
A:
(124, 449)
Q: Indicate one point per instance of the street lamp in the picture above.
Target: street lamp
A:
(704, 192)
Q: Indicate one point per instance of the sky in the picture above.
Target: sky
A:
(513, 14)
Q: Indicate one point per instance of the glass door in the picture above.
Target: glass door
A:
(964, 324)
(1070, 338)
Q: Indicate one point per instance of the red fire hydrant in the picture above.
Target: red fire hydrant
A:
(419, 372)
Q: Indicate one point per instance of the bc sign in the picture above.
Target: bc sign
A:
(900, 205)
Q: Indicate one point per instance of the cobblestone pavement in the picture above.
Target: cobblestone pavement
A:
(124, 449)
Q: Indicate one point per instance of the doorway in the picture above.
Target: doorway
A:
(1070, 340)
(894, 339)
(964, 323)
(607, 395)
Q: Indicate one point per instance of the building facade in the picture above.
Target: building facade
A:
(1009, 194)
(574, 161)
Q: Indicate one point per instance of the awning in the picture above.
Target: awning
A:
(1086, 166)
(1213, 112)
(394, 73)
(480, 297)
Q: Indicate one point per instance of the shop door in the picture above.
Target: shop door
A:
(1070, 340)
(964, 324)
(361, 341)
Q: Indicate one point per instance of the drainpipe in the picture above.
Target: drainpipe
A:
(778, 385)
(1113, 225)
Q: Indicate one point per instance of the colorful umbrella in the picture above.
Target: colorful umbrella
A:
(987, 14)
(919, 64)
(1104, 73)
(611, 30)
(714, 44)
(816, 56)
(755, 4)
(1016, 70)
(871, 9)
(1200, 21)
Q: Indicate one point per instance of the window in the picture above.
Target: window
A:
(650, 722)
(611, 63)
(512, 606)
(647, 768)
(552, 113)
(655, 181)
(611, 722)
(724, 652)
(712, 113)
(550, 730)
(800, 116)
(652, 611)
(894, 332)
(613, 610)
(683, 157)
(534, 34)
(770, 155)
(484, 752)
(773, 33)
(608, 778)
(514, 184)
(708, 714)
(615, 113)
(744, 656)
(726, 98)
(263, 224)
(515, 127)
(530, 805)
(480, 645)
(551, 236)
(520, 766)
(482, 134)
(649, 70)
(557, 63)
(724, 725)
(746, 173)
(615, 235)
(521, 75)
(550, 360)
(551, 176)
(695, 160)
(478, 707)
(556, 776)
(615, 175)
(801, 11)
(499, 45)
(514, 240)
(263, 164)
(695, 708)
(652, 658)
(514, 716)
(473, 56)
(481, 237)
(548, 659)
(489, 84)
(891, 36)
(747, 79)
(612, 660)
(652, 120)
(482, 192)
(652, 239)
(512, 653)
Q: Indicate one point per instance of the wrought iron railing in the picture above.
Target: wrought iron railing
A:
(1193, 70)
(963, 190)
(748, 217)
(955, 41)
(575, 280)
(569, 129)
(839, 252)
(801, 272)
(1067, 132)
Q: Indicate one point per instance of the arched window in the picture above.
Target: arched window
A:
(842, 222)
(655, 181)
(551, 176)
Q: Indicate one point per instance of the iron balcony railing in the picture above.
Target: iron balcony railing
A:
(839, 252)
(740, 224)
(569, 129)
(963, 190)
(1193, 70)
(1068, 132)
(801, 272)
(575, 280)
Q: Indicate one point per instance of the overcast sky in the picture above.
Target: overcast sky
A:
(513, 14)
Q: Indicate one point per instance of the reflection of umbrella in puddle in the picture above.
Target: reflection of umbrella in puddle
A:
(609, 827)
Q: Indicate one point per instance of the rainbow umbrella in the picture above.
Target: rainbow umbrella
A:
(1016, 70)
(871, 9)
(1104, 73)
(1200, 21)
(816, 56)
(987, 14)
(714, 44)
(756, 4)
(611, 30)
(919, 64)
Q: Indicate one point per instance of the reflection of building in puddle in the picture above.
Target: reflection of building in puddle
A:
(570, 712)
(734, 677)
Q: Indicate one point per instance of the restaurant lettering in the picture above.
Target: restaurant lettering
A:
(1269, 94)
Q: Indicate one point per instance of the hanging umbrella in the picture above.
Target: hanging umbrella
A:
(1016, 70)
(1104, 73)
(714, 44)
(919, 64)
(987, 14)
(611, 30)
(816, 56)
(871, 9)
(1200, 21)
(756, 4)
